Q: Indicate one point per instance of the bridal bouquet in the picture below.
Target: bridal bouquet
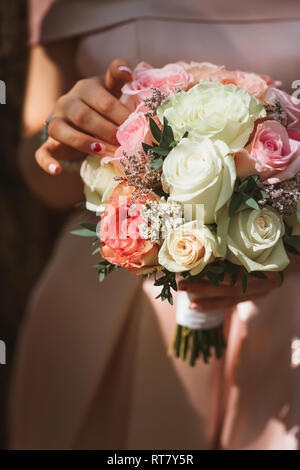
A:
(205, 184)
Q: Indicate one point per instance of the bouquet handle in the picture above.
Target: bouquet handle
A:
(197, 332)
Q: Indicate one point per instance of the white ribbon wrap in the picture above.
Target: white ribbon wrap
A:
(195, 319)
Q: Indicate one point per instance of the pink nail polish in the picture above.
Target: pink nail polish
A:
(53, 168)
(123, 68)
(97, 147)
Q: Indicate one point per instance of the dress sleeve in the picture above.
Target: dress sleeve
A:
(38, 10)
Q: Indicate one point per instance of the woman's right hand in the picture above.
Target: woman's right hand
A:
(86, 119)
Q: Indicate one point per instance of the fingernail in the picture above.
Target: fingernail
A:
(123, 68)
(53, 168)
(97, 147)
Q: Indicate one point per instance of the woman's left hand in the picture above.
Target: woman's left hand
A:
(210, 298)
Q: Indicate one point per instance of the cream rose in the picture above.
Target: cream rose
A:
(210, 109)
(189, 247)
(98, 180)
(200, 173)
(255, 240)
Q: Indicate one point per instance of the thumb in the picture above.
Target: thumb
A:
(117, 74)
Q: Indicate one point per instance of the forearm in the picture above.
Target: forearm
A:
(60, 192)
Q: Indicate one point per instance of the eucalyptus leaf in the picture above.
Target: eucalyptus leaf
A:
(155, 130)
(251, 202)
(84, 232)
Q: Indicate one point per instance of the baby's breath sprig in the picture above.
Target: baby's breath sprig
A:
(283, 196)
(139, 174)
(160, 217)
(276, 112)
(156, 99)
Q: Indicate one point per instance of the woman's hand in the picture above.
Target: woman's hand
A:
(85, 119)
(210, 298)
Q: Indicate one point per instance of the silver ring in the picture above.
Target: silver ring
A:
(68, 165)
(44, 132)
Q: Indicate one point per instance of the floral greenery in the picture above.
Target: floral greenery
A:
(291, 242)
(216, 272)
(246, 192)
(168, 282)
(104, 268)
(165, 142)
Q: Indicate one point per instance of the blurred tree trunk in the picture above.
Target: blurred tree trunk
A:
(28, 229)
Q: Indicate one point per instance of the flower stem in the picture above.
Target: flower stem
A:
(197, 343)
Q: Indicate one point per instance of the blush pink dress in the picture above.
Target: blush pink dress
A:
(91, 370)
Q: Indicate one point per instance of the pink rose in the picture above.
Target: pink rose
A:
(133, 132)
(256, 85)
(167, 79)
(290, 105)
(122, 243)
(130, 135)
(272, 154)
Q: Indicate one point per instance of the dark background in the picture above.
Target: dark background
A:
(27, 228)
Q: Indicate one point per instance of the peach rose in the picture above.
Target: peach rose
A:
(167, 79)
(290, 105)
(201, 70)
(272, 154)
(256, 85)
(122, 243)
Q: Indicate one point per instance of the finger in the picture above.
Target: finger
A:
(86, 119)
(118, 73)
(45, 160)
(212, 304)
(61, 131)
(96, 97)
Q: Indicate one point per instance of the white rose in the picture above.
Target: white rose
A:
(210, 109)
(200, 173)
(99, 182)
(255, 240)
(188, 248)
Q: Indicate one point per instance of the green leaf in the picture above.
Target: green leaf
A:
(80, 205)
(155, 130)
(258, 274)
(263, 194)
(156, 163)
(294, 241)
(213, 278)
(89, 226)
(168, 281)
(235, 203)
(251, 202)
(160, 151)
(281, 275)
(291, 249)
(146, 147)
(167, 135)
(84, 232)
(233, 278)
(244, 282)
